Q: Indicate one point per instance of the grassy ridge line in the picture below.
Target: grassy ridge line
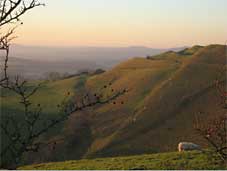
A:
(164, 108)
(173, 160)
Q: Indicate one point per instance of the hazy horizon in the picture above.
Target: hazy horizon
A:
(103, 46)
(35, 61)
(90, 53)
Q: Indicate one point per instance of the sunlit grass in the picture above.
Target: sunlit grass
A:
(173, 160)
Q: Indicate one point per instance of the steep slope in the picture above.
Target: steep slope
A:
(165, 94)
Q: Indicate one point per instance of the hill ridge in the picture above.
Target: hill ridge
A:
(185, 67)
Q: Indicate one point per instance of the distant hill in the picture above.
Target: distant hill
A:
(38, 69)
(165, 93)
(84, 53)
(34, 61)
(104, 56)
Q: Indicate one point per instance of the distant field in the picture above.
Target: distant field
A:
(172, 161)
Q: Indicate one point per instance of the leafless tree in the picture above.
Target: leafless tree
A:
(214, 130)
(215, 133)
(23, 134)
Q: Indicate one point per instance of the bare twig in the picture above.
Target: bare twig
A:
(215, 131)
(22, 135)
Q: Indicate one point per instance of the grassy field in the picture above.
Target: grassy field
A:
(173, 160)
(49, 95)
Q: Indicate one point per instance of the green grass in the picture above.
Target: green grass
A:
(49, 95)
(173, 160)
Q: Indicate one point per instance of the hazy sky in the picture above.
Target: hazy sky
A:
(153, 23)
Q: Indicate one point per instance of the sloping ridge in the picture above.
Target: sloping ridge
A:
(165, 115)
(166, 91)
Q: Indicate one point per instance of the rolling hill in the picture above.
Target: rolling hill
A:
(165, 94)
(105, 56)
(34, 69)
(166, 91)
(34, 62)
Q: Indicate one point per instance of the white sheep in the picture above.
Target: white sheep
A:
(188, 146)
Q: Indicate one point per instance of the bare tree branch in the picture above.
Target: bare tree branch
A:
(12, 10)
(23, 135)
(215, 131)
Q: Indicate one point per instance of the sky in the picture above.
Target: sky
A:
(151, 23)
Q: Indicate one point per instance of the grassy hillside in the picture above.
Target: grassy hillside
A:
(171, 161)
(49, 95)
(56, 91)
(165, 93)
